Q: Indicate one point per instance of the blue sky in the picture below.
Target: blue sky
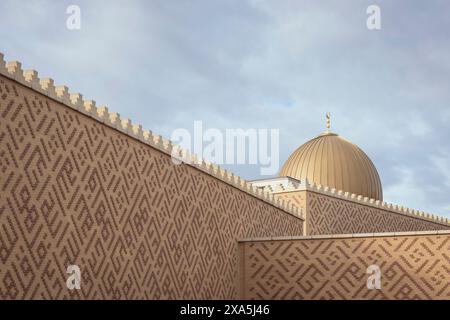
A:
(262, 64)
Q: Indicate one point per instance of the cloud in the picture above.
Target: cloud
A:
(262, 64)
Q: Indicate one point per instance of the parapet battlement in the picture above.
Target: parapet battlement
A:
(45, 86)
(287, 184)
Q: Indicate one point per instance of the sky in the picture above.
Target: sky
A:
(262, 64)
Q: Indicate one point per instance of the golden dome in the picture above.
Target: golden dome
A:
(332, 161)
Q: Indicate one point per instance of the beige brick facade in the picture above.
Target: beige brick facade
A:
(75, 191)
(79, 185)
(326, 214)
(411, 266)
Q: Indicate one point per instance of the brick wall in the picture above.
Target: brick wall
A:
(75, 191)
(331, 215)
(412, 267)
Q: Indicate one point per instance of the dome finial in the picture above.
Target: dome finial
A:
(328, 124)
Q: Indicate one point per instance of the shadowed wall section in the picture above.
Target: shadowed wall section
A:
(75, 191)
(412, 267)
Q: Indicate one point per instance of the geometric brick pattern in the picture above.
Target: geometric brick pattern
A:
(297, 197)
(74, 191)
(412, 267)
(328, 215)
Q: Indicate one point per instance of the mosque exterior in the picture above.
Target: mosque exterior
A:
(83, 189)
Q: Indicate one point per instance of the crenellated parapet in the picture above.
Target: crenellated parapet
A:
(46, 86)
(288, 184)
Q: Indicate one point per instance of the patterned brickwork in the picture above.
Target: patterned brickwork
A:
(298, 198)
(412, 267)
(329, 215)
(74, 191)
